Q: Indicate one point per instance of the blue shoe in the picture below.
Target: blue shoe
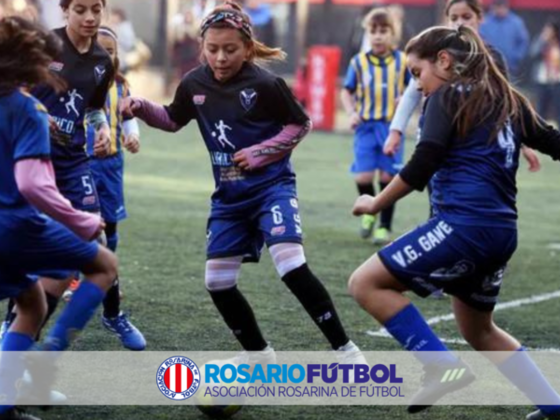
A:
(129, 335)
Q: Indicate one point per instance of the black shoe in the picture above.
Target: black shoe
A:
(539, 415)
(439, 380)
(16, 413)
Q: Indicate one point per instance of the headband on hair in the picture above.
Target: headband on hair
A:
(233, 19)
(108, 32)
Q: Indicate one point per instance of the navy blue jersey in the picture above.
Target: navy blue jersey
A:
(24, 134)
(252, 107)
(475, 184)
(87, 77)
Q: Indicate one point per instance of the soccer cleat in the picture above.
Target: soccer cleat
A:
(368, 222)
(252, 358)
(539, 415)
(130, 336)
(26, 393)
(439, 380)
(350, 354)
(381, 236)
(67, 295)
(16, 413)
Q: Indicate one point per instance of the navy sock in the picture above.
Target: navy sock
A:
(413, 333)
(75, 316)
(386, 220)
(112, 301)
(11, 365)
(311, 293)
(522, 371)
(366, 189)
(112, 236)
(239, 317)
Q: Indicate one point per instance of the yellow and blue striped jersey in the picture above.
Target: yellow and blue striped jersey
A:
(377, 83)
(115, 119)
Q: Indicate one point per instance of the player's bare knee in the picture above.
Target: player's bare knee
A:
(385, 177)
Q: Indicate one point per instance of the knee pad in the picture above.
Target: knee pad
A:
(287, 257)
(222, 273)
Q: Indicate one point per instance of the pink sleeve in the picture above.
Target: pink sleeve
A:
(155, 115)
(36, 182)
(277, 147)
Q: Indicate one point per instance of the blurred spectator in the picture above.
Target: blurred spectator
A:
(124, 29)
(134, 52)
(51, 15)
(185, 47)
(506, 32)
(263, 21)
(202, 8)
(1, 9)
(545, 51)
(24, 8)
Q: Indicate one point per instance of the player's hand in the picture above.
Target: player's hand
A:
(355, 120)
(99, 231)
(393, 143)
(532, 159)
(128, 107)
(241, 160)
(365, 204)
(53, 126)
(132, 143)
(102, 144)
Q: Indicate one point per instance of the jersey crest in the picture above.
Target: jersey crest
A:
(248, 98)
(99, 72)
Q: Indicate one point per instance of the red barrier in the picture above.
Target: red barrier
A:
(323, 64)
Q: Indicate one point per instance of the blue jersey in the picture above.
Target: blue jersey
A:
(117, 91)
(252, 107)
(476, 183)
(24, 134)
(87, 77)
(377, 83)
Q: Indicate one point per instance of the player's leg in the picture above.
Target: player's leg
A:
(363, 170)
(389, 166)
(20, 337)
(229, 240)
(510, 357)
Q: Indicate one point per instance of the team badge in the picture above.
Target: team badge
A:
(56, 66)
(99, 72)
(178, 378)
(199, 99)
(248, 98)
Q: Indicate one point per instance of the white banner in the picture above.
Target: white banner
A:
(296, 378)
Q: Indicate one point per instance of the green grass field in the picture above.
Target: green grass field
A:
(162, 255)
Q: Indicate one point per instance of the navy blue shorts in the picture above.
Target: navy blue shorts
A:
(78, 186)
(245, 233)
(368, 149)
(465, 261)
(38, 245)
(108, 176)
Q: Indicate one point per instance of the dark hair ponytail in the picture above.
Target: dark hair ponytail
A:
(485, 90)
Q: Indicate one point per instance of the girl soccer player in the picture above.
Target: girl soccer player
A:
(458, 12)
(374, 81)
(474, 123)
(250, 123)
(30, 241)
(108, 178)
(87, 71)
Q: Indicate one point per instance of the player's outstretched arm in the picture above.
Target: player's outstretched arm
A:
(153, 114)
(35, 181)
(541, 136)
(366, 204)
(272, 150)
